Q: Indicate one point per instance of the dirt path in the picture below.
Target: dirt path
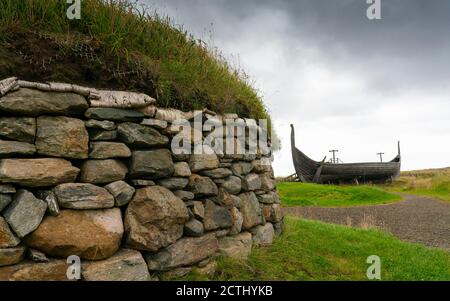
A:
(416, 219)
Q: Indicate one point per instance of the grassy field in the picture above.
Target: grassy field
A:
(305, 194)
(316, 251)
(429, 182)
(188, 73)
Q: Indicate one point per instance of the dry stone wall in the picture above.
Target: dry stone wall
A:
(92, 173)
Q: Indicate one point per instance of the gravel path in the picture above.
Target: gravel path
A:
(415, 219)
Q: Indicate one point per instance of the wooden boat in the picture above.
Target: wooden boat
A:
(312, 171)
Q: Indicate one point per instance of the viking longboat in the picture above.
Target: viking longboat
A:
(311, 171)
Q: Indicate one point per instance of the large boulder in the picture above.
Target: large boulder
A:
(232, 185)
(114, 114)
(202, 186)
(37, 172)
(7, 238)
(186, 251)
(102, 171)
(238, 246)
(218, 173)
(107, 150)
(251, 211)
(152, 164)
(174, 183)
(12, 256)
(54, 270)
(203, 162)
(121, 191)
(30, 102)
(18, 128)
(25, 213)
(216, 217)
(263, 235)
(251, 182)
(90, 234)
(62, 137)
(125, 265)
(140, 135)
(154, 219)
(16, 148)
(83, 196)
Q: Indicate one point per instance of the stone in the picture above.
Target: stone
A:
(203, 162)
(7, 238)
(184, 252)
(232, 185)
(202, 186)
(160, 124)
(225, 165)
(219, 181)
(89, 234)
(269, 198)
(140, 135)
(101, 135)
(122, 192)
(31, 102)
(251, 211)
(15, 148)
(181, 157)
(125, 265)
(272, 213)
(218, 173)
(114, 114)
(267, 182)
(177, 273)
(49, 197)
(141, 183)
(194, 228)
(37, 172)
(62, 137)
(182, 170)
(216, 217)
(37, 256)
(174, 183)
(263, 235)
(12, 256)
(261, 166)
(8, 189)
(5, 200)
(82, 196)
(208, 270)
(198, 210)
(25, 213)
(54, 270)
(251, 182)
(107, 150)
(100, 124)
(241, 168)
(184, 195)
(237, 219)
(102, 171)
(152, 164)
(278, 228)
(154, 219)
(238, 247)
(22, 129)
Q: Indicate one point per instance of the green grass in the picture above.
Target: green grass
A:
(305, 194)
(189, 74)
(431, 182)
(316, 251)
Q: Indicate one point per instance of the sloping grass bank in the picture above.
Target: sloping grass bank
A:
(316, 251)
(430, 182)
(306, 194)
(188, 73)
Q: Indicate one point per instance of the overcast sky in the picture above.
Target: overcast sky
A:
(344, 81)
